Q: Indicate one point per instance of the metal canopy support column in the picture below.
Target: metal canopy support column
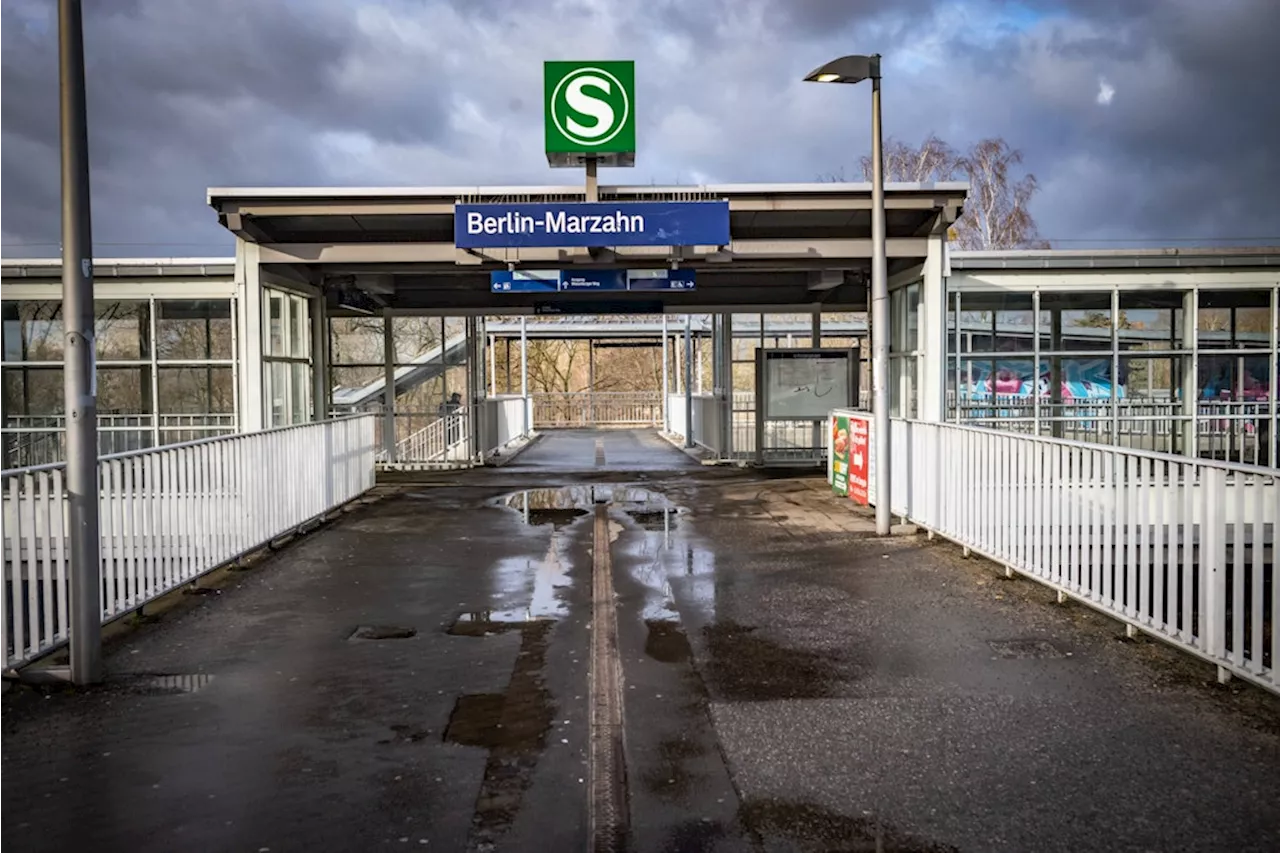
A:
(80, 380)
(248, 278)
(389, 389)
(1190, 375)
(524, 375)
(493, 367)
(815, 340)
(666, 379)
(688, 386)
(320, 384)
(724, 343)
(932, 345)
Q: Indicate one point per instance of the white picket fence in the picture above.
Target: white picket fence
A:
(168, 516)
(1182, 549)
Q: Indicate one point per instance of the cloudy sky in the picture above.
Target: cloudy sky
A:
(1151, 121)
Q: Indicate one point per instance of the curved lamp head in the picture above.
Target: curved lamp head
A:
(847, 69)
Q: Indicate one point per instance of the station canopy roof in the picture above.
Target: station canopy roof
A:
(792, 246)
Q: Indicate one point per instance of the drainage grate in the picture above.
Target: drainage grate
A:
(382, 632)
(1027, 649)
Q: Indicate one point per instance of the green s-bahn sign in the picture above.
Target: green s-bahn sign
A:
(590, 112)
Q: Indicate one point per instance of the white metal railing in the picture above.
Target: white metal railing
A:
(444, 439)
(601, 408)
(1236, 430)
(507, 421)
(168, 516)
(31, 440)
(1183, 549)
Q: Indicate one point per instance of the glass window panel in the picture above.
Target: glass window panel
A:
(1151, 320)
(1234, 319)
(124, 390)
(353, 385)
(300, 409)
(33, 330)
(299, 327)
(193, 329)
(913, 317)
(122, 330)
(277, 392)
(744, 349)
(32, 392)
(902, 387)
(358, 340)
(1013, 332)
(976, 333)
(195, 390)
(1084, 319)
(275, 322)
(1253, 327)
(413, 336)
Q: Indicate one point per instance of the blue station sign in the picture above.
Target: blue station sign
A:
(588, 224)
(587, 281)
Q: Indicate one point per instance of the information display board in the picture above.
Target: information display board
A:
(806, 384)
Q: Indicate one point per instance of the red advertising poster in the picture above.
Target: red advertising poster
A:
(859, 453)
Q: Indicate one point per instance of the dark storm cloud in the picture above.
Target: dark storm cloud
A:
(184, 96)
(181, 97)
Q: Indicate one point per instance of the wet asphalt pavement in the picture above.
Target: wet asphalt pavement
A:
(417, 675)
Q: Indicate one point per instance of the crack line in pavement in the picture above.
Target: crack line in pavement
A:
(607, 766)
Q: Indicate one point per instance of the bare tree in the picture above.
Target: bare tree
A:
(997, 214)
(934, 160)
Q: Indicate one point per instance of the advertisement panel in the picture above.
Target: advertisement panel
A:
(840, 455)
(859, 458)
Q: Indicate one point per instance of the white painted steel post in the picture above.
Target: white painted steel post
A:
(80, 380)
(879, 313)
(688, 376)
(524, 375)
(666, 380)
(389, 389)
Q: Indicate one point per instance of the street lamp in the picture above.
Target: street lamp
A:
(855, 69)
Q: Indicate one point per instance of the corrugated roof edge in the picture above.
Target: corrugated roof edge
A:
(1203, 256)
(214, 193)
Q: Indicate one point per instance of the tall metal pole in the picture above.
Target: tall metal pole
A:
(879, 314)
(79, 373)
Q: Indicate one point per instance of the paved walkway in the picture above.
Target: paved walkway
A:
(788, 683)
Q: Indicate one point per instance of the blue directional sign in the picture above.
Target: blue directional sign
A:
(661, 279)
(586, 281)
(524, 281)
(587, 224)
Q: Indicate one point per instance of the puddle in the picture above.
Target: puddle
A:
(480, 623)
(383, 632)
(666, 641)
(513, 726)
(557, 507)
(747, 666)
(817, 828)
(667, 777)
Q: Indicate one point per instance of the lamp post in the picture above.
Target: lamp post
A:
(855, 69)
(80, 386)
